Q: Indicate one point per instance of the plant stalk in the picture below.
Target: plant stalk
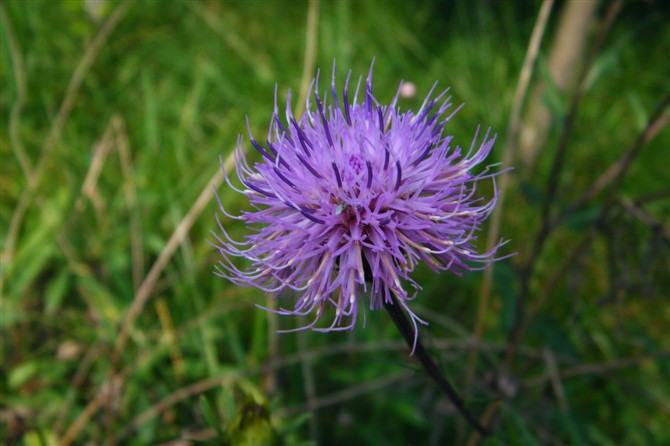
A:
(429, 365)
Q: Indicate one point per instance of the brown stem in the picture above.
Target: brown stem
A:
(556, 170)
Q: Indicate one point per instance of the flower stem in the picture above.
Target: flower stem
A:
(429, 365)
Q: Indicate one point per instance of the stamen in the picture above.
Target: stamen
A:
(368, 89)
(284, 179)
(284, 132)
(308, 166)
(304, 141)
(311, 217)
(386, 157)
(261, 150)
(324, 121)
(279, 159)
(271, 147)
(381, 119)
(251, 186)
(399, 179)
(337, 174)
(345, 100)
(423, 155)
(333, 89)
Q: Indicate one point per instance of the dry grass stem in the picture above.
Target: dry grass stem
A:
(209, 14)
(598, 368)
(179, 234)
(93, 351)
(562, 61)
(647, 219)
(130, 193)
(89, 186)
(309, 383)
(147, 286)
(229, 378)
(616, 169)
(57, 125)
(508, 158)
(309, 61)
(82, 420)
(170, 338)
(555, 377)
(350, 393)
(545, 224)
(17, 107)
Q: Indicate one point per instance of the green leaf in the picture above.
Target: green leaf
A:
(640, 115)
(605, 64)
(506, 284)
(553, 335)
(103, 300)
(571, 427)
(211, 416)
(582, 218)
(21, 374)
(518, 431)
(55, 292)
(554, 98)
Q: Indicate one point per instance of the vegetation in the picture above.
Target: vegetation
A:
(115, 331)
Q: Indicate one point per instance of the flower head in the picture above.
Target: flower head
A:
(349, 198)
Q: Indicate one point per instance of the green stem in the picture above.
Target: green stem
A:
(429, 365)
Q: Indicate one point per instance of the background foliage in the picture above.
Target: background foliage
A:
(114, 115)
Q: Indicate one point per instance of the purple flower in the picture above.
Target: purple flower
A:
(348, 199)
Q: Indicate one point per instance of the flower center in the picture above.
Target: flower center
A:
(356, 163)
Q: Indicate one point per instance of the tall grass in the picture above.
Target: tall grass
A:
(115, 331)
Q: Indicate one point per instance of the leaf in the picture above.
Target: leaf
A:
(517, 430)
(553, 96)
(211, 416)
(571, 427)
(506, 284)
(55, 292)
(103, 300)
(554, 335)
(640, 115)
(606, 63)
(582, 218)
(21, 374)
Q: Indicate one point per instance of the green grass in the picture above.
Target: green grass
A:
(167, 93)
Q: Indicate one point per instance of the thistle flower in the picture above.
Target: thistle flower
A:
(349, 198)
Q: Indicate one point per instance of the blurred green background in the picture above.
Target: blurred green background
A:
(114, 115)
